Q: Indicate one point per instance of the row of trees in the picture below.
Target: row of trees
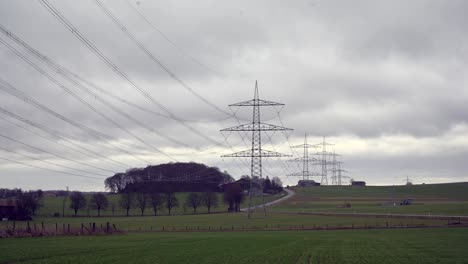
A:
(97, 201)
(142, 201)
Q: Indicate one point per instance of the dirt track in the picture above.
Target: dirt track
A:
(290, 194)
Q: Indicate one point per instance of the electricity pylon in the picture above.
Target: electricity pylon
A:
(334, 164)
(323, 160)
(408, 181)
(337, 174)
(305, 174)
(256, 153)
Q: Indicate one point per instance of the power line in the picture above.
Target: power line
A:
(83, 101)
(114, 67)
(142, 47)
(56, 155)
(177, 47)
(57, 136)
(63, 72)
(10, 89)
(50, 162)
(37, 167)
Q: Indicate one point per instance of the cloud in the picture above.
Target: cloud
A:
(385, 80)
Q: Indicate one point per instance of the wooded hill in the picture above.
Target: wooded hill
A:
(169, 177)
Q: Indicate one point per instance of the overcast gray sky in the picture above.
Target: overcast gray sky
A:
(385, 81)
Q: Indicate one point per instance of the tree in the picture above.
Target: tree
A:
(194, 200)
(277, 181)
(266, 185)
(156, 202)
(126, 201)
(171, 201)
(210, 199)
(276, 184)
(34, 199)
(233, 195)
(77, 201)
(141, 201)
(99, 201)
(25, 202)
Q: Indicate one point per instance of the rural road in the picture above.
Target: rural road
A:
(290, 194)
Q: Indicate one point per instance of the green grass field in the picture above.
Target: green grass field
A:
(344, 246)
(429, 199)
(229, 221)
(144, 241)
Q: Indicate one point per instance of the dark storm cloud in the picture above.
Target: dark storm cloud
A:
(371, 70)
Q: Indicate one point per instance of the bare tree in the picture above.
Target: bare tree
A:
(171, 201)
(126, 201)
(99, 201)
(141, 201)
(156, 202)
(77, 201)
(210, 199)
(194, 200)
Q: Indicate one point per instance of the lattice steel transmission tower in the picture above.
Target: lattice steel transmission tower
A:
(306, 160)
(334, 171)
(323, 160)
(338, 174)
(256, 153)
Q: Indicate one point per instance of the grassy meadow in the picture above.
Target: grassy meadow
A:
(150, 239)
(340, 246)
(428, 199)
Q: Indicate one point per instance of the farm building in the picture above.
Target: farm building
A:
(358, 183)
(7, 209)
(307, 183)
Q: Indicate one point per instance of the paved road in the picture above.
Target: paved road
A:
(290, 194)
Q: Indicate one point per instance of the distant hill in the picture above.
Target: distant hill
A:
(453, 191)
(173, 177)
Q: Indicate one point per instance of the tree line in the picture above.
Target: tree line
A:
(142, 201)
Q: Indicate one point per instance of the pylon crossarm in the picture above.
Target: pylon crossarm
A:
(304, 146)
(259, 127)
(257, 102)
(249, 154)
(300, 174)
(303, 159)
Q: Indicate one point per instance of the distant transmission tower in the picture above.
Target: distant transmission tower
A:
(323, 160)
(256, 152)
(305, 174)
(338, 174)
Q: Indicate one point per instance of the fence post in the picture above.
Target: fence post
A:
(82, 227)
(94, 227)
(42, 227)
(68, 229)
(28, 229)
(56, 228)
